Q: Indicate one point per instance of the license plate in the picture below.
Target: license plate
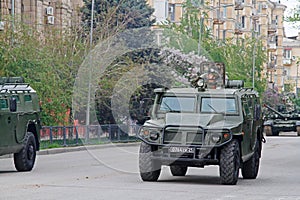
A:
(181, 150)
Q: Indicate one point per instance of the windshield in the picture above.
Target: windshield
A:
(218, 105)
(177, 104)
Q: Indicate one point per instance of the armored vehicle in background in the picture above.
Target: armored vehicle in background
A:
(19, 121)
(276, 122)
(199, 126)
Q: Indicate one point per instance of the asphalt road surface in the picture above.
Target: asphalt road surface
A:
(112, 173)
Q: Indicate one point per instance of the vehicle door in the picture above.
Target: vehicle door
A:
(7, 123)
(248, 114)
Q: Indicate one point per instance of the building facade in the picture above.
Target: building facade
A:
(291, 64)
(262, 19)
(61, 14)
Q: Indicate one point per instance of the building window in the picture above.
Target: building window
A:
(276, 19)
(224, 35)
(224, 12)
(287, 53)
(171, 12)
(243, 21)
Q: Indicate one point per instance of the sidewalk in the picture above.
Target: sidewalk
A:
(78, 148)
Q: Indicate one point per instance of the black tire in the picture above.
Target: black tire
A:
(178, 170)
(298, 130)
(230, 163)
(268, 130)
(275, 132)
(24, 160)
(250, 167)
(149, 168)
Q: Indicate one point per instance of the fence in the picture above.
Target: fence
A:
(53, 136)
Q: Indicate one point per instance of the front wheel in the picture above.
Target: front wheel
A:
(25, 159)
(178, 170)
(230, 163)
(149, 168)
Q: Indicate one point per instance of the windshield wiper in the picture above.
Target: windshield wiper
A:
(169, 108)
(212, 108)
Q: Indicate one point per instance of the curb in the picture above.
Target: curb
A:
(83, 148)
(79, 148)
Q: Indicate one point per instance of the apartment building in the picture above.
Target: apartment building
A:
(291, 64)
(262, 19)
(41, 14)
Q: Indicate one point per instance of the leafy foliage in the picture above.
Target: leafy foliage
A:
(113, 16)
(237, 55)
(47, 61)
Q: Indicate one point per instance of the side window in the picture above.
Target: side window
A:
(257, 111)
(247, 108)
(27, 98)
(16, 97)
(3, 104)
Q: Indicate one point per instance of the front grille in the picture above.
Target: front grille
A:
(183, 136)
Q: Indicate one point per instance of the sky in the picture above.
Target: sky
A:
(290, 30)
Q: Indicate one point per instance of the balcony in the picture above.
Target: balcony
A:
(271, 65)
(238, 5)
(272, 46)
(218, 18)
(238, 29)
(255, 15)
(287, 61)
(272, 28)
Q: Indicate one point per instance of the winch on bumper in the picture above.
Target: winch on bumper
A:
(185, 145)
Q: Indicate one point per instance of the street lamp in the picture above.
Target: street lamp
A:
(297, 81)
(89, 69)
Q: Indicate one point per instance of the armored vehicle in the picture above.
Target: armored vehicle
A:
(19, 121)
(277, 122)
(195, 127)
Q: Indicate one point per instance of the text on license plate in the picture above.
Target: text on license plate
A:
(181, 150)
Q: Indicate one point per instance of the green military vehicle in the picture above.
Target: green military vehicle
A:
(199, 126)
(284, 121)
(19, 121)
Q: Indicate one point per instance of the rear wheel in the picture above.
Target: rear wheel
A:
(178, 170)
(149, 168)
(251, 166)
(268, 130)
(298, 130)
(230, 163)
(275, 132)
(25, 159)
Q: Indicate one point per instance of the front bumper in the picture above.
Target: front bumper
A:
(198, 158)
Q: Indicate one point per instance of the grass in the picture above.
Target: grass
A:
(58, 143)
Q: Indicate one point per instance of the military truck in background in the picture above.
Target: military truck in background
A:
(281, 120)
(212, 123)
(19, 122)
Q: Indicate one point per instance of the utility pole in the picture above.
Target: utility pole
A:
(90, 71)
(297, 81)
(12, 20)
(253, 61)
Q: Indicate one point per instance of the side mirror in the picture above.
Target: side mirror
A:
(13, 105)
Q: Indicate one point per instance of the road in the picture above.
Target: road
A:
(111, 173)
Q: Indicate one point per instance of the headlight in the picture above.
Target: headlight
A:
(213, 137)
(216, 138)
(151, 134)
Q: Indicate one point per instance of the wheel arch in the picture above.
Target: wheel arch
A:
(35, 130)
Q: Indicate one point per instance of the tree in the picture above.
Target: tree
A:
(48, 61)
(294, 15)
(237, 55)
(111, 16)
